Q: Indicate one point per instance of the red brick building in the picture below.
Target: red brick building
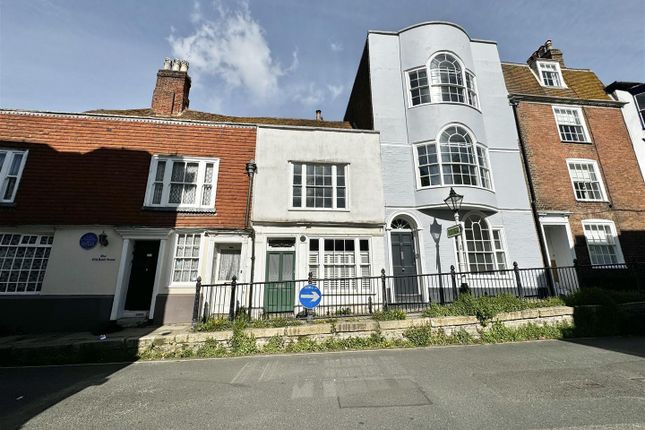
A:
(580, 163)
(108, 215)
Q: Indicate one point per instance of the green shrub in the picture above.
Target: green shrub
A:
(389, 315)
(343, 311)
(274, 345)
(485, 308)
(419, 336)
(214, 324)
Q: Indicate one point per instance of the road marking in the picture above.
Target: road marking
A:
(233, 381)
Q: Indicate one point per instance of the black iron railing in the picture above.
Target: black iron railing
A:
(366, 295)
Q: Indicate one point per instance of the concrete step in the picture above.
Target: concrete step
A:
(132, 322)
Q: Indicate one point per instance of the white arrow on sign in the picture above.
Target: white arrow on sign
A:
(314, 296)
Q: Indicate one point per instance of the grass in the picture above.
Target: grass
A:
(485, 308)
(389, 315)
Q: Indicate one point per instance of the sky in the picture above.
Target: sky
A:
(283, 58)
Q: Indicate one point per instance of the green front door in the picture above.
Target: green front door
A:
(279, 290)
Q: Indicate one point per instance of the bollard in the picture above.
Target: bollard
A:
(518, 280)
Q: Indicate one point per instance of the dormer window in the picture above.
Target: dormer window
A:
(550, 74)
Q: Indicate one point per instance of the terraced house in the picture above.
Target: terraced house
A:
(438, 98)
(587, 188)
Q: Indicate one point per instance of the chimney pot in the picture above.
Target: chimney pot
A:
(175, 65)
(183, 67)
(167, 63)
(319, 115)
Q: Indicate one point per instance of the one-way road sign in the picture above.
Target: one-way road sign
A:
(310, 296)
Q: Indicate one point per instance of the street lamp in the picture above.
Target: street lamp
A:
(453, 201)
(251, 169)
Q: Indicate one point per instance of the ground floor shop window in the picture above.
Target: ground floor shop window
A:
(23, 261)
(336, 261)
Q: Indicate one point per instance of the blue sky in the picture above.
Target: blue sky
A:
(269, 57)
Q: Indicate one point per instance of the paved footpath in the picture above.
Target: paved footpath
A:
(589, 384)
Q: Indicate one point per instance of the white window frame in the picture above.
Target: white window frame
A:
(41, 271)
(612, 227)
(355, 284)
(540, 67)
(148, 202)
(594, 164)
(474, 102)
(581, 116)
(334, 185)
(409, 86)
(9, 155)
(493, 250)
(640, 110)
(218, 249)
(189, 283)
(475, 144)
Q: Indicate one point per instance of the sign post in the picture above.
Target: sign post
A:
(310, 297)
(454, 230)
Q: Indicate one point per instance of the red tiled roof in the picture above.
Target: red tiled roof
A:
(205, 116)
(582, 84)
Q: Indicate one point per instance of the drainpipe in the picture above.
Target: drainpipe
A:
(251, 169)
(536, 218)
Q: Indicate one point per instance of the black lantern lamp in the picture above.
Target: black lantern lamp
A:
(453, 201)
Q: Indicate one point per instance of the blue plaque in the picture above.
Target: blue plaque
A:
(88, 240)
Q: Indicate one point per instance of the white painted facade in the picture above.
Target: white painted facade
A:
(635, 126)
(504, 205)
(281, 227)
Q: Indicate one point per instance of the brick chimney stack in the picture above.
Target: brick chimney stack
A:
(170, 96)
(547, 52)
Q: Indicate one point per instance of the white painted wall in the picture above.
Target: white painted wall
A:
(507, 205)
(73, 270)
(277, 147)
(634, 126)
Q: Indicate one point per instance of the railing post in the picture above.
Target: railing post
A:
(231, 308)
(198, 290)
(310, 280)
(518, 280)
(453, 280)
(442, 299)
(384, 289)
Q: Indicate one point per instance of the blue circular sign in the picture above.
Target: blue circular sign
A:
(88, 240)
(310, 296)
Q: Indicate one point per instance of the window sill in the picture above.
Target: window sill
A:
(179, 210)
(432, 187)
(585, 142)
(318, 210)
(7, 204)
(445, 103)
(592, 201)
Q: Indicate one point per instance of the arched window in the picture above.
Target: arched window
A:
(400, 224)
(449, 82)
(484, 247)
(447, 79)
(460, 162)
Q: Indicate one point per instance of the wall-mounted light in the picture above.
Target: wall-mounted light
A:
(103, 239)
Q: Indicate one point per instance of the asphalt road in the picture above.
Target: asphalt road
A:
(594, 384)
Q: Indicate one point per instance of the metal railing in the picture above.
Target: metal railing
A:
(414, 293)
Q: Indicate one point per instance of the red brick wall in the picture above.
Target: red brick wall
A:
(613, 151)
(170, 96)
(95, 171)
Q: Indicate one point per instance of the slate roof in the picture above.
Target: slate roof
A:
(205, 116)
(582, 84)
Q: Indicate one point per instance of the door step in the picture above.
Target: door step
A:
(129, 322)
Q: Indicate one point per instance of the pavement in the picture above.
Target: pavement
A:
(20, 341)
(582, 384)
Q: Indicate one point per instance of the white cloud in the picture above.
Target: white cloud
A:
(335, 90)
(336, 46)
(232, 47)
